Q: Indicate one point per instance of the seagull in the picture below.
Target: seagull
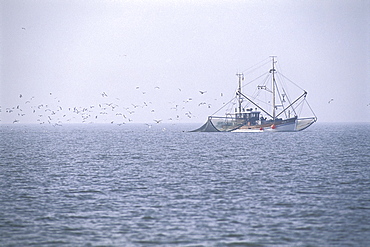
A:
(156, 87)
(104, 94)
(175, 107)
(202, 92)
(23, 28)
(330, 101)
(20, 96)
(158, 121)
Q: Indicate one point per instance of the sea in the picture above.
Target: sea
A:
(131, 185)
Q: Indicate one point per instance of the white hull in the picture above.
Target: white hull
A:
(289, 127)
(248, 130)
(298, 125)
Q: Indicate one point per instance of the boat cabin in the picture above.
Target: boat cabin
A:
(249, 116)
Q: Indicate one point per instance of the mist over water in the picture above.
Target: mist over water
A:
(89, 185)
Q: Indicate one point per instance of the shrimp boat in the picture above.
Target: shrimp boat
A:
(269, 108)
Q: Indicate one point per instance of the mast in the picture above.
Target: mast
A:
(239, 93)
(273, 88)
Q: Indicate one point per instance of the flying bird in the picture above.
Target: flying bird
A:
(330, 101)
(202, 92)
(104, 94)
(158, 121)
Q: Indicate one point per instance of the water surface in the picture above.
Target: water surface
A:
(103, 185)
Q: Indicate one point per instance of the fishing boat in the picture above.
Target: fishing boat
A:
(268, 108)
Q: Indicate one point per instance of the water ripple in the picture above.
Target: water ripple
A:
(108, 186)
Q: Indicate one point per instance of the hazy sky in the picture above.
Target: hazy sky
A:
(150, 57)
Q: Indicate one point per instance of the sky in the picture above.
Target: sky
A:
(147, 61)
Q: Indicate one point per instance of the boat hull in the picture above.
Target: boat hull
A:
(286, 126)
(290, 126)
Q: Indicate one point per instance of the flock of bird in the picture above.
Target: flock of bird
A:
(112, 110)
(51, 110)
